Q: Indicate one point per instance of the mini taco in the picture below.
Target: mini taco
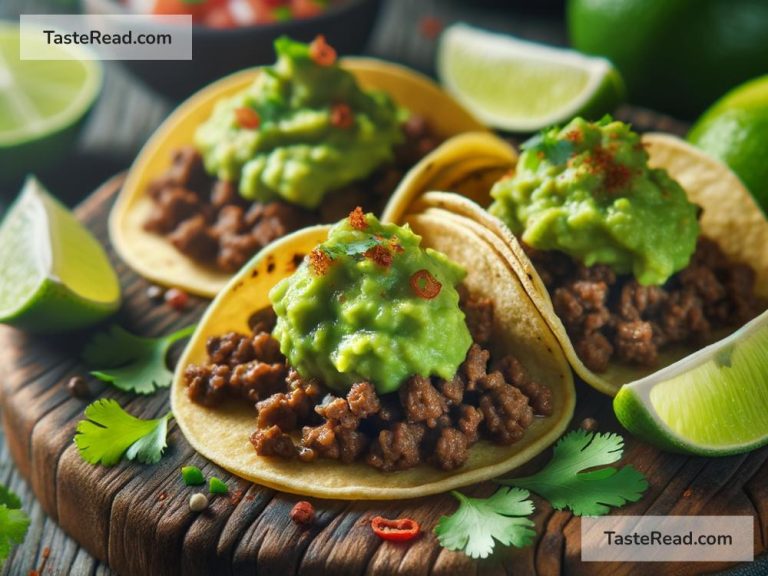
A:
(269, 150)
(637, 251)
(373, 361)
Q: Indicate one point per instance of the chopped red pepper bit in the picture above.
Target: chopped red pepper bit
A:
(342, 116)
(303, 513)
(321, 52)
(176, 299)
(399, 530)
(247, 118)
(425, 285)
(357, 219)
(379, 255)
(319, 261)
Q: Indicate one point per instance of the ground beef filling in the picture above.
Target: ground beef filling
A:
(610, 317)
(207, 220)
(427, 420)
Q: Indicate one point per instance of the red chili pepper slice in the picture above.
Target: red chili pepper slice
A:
(321, 52)
(400, 530)
(342, 116)
(247, 118)
(425, 285)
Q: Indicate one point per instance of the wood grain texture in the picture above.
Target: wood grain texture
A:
(136, 518)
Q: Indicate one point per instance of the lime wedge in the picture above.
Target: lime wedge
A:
(521, 86)
(54, 275)
(712, 403)
(41, 101)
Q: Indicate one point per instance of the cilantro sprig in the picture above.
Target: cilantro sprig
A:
(129, 362)
(567, 481)
(108, 432)
(478, 521)
(14, 522)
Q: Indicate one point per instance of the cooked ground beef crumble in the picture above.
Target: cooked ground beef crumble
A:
(207, 220)
(613, 317)
(427, 420)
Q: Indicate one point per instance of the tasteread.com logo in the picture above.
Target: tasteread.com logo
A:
(667, 539)
(107, 36)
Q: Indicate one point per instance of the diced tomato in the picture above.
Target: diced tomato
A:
(220, 17)
(196, 8)
(247, 118)
(322, 53)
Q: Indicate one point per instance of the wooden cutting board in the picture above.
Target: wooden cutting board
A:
(137, 519)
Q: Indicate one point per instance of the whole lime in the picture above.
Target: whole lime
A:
(735, 130)
(675, 55)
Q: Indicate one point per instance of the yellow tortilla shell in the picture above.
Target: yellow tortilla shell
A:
(221, 434)
(731, 217)
(153, 257)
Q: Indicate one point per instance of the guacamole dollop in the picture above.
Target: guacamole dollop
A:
(370, 304)
(310, 129)
(586, 189)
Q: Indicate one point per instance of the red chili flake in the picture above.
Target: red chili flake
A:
(176, 299)
(394, 245)
(615, 175)
(380, 255)
(342, 116)
(430, 27)
(357, 219)
(236, 496)
(303, 513)
(319, 261)
(321, 52)
(425, 285)
(574, 136)
(247, 118)
(688, 492)
(400, 530)
(162, 495)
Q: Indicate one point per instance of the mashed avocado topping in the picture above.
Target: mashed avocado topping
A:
(303, 128)
(587, 190)
(370, 304)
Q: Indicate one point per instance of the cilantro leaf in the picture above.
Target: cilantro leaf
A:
(14, 522)
(565, 482)
(108, 432)
(478, 521)
(132, 363)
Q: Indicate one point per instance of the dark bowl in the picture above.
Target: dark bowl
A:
(217, 52)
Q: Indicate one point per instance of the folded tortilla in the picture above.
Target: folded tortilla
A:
(730, 217)
(222, 433)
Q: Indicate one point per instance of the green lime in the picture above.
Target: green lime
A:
(54, 275)
(735, 130)
(712, 403)
(522, 86)
(41, 101)
(675, 55)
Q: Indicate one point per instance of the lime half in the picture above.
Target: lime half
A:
(522, 86)
(41, 101)
(54, 275)
(712, 403)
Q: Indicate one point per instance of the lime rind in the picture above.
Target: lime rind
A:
(39, 239)
(485, 55)
(726, 418)
(38, 125)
